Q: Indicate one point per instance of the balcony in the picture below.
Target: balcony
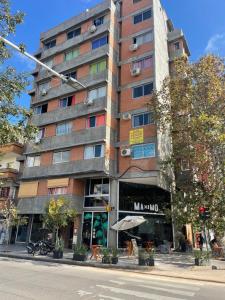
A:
(37, 205)
(177, 53)
(95, 165)
(71, 112)
(76, 138)
(11, 148)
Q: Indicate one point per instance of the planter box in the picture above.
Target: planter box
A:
(79, 257)
(106, 260)
(57, 254)
(114, 260)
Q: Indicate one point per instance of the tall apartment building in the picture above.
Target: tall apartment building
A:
(99, 146)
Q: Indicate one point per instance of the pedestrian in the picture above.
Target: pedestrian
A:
(201, 242)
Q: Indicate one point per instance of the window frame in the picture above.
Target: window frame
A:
(142, 36)
(64, 188)
(34, 162)
(48, 44)
(74, 50)
(73, 31)
(143, 90)
(102, 18)
(142, 62)
(67, 101)
(69, 126)
(104, 37)
(97, 63)
(94, 150)
(141, 14)
(61, 156)
(142, 145)
(151, 121)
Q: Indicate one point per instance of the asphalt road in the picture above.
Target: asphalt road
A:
(32, 280)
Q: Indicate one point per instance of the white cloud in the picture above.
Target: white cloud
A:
(216, 44)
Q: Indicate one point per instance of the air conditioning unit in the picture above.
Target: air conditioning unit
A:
(133, 47)
(126, 116)
(125, 152)
(136, 71)
(89, 102)
(92, 29)
(44, 92)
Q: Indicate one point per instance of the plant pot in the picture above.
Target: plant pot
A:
(106, 260)
(151, 262)
(79, 257)
(201, 262)
(114, 260)
(57, 254)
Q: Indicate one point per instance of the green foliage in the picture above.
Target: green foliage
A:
(81, 250)
(106, 252)
(191, 107)
(115, 252)
(202, 254)
(14, 125)
(59, 244)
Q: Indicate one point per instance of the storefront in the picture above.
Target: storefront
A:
(149, 202)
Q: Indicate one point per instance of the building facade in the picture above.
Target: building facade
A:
(99, 146)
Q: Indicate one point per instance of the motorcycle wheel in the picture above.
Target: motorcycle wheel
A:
(43, 251)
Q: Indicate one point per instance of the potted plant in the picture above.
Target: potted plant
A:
(114, 258)
(151, 261)
(106, 259)
(143, 259)
(201, 258)
(58, 250)
(80, 253)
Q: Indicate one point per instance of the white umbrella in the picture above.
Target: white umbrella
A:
(128, 222)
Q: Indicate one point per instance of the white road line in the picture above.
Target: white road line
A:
(108, 297)
(117, 282)
(174, 291)
(136, 294)
(163, 283)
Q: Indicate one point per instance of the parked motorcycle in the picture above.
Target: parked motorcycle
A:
(46, 247)
(40, 247)
(33, 248)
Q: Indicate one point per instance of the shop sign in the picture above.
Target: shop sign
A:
(137, 136)
(146, 207)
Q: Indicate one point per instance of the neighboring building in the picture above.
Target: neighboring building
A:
(99, 146)
(9, 173)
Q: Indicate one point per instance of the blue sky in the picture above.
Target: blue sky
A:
(202, 21)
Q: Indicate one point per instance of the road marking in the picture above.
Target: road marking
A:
(163, 283)
(137, 294)
(108, 297)
(174, 291)
(117, 282)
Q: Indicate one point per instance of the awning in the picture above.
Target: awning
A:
(28, 189)
(60, 182)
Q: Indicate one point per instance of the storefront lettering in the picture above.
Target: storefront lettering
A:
(146, 207)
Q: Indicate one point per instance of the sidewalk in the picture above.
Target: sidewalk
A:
(177, 265)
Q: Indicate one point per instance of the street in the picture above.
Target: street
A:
(20, 279)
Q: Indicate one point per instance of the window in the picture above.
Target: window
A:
(136, 1)
(98, 67)
(40, 135)
(58, 191)
(177, 46)
(142, 119)
(33, 161)
(41, 109)
(143, 63)
(100, 42)
(97, 93)
(93, 151)
(145, 15)
(143, 151)
(97, 192)
(98, 21)
(143, 38)
(67, 101)
(63, 128)
(50, 44)
(43, 88)
(4, 192)
(61, 157)
(96, 121)
(73, 33)
(71, 54)
(143, 90)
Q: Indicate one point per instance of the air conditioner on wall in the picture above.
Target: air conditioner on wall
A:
(44, 92)
(135, 71)
(126, 116)
(92, 29)
(89, 101)
(125, 152)
(133, 47)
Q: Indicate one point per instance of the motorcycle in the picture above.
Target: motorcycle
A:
(40, 247)
(33, 248)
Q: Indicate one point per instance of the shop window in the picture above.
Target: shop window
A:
(145, 15)
(142, 119)
(98, 21)
(4, 192)
(97, 93)
(58, 191)
(97, 192)
(96, 121)
(143, 38)
(143, 151)
(50, 44)
(33, 161)
(143, 63)
(38, 110)
(93, 151)
(98, 67)
(61, 157)
(99, 42)
(143, 90)
(63, 128)
(71, 54)
(73, 33)
(67, 101)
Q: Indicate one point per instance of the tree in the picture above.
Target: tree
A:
(14, 126)
(191, 104)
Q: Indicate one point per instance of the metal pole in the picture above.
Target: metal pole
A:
(69, 81)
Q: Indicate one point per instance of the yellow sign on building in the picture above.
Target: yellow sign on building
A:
(136, 136)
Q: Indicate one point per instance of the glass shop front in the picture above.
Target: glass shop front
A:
(149, 202)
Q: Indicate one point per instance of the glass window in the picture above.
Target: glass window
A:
(93, 151)
(177, 46)
(142, 90)
(73, 33)
(63, 128)
(100, 42)
(142, 119)
(143, 63)
(66, 101)
(143, 151)
(98, 21)
(50, 44)
(143, 38)
(95, 121)
(60, 157)
(71, 54)
(98, 67)
(41, 109)
(33, 161)
(143, 16)
(40, 135)
(97, 93)
(58, 191)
